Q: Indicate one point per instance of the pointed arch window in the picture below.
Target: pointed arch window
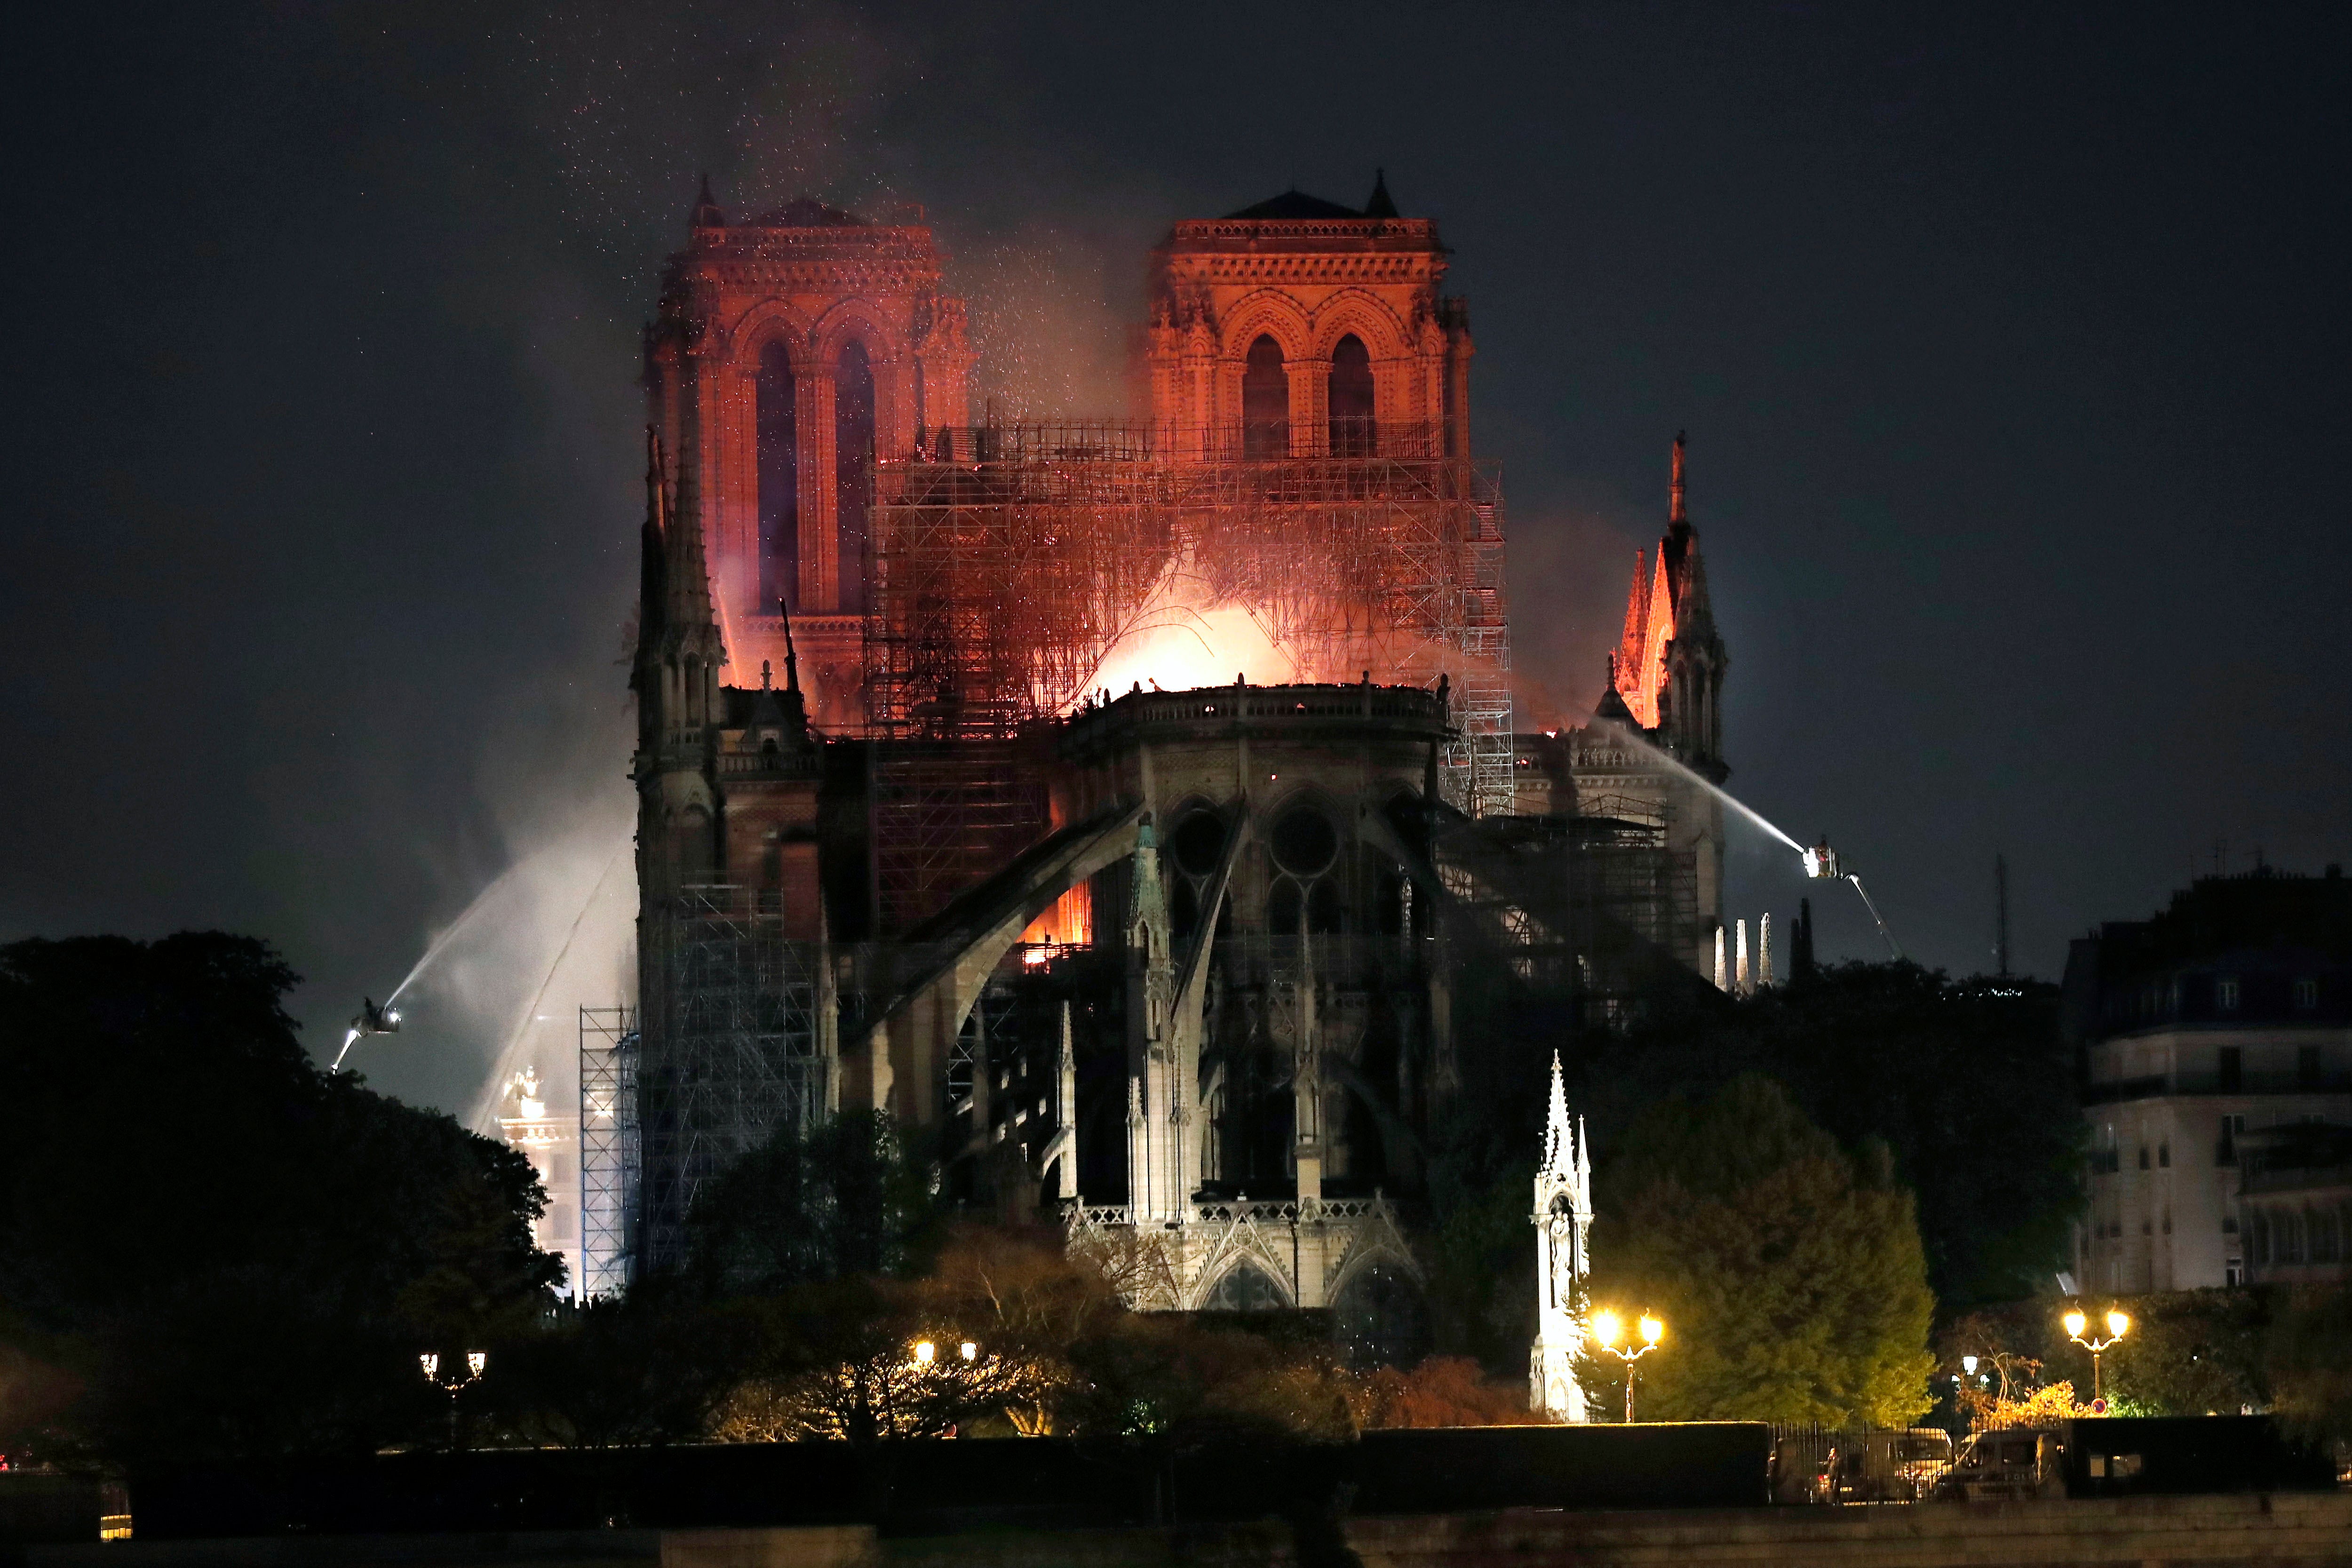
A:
(1353, 433)
(853, 449)
(1266, 401)
(1304, 894)
(1246, 1289)
(778, 458)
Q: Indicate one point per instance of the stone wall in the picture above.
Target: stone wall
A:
(2279, 1531)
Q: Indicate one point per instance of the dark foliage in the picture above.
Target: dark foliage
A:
(1966, 1082)
(233, 1252)
(1788, 1272)
(844, 1198)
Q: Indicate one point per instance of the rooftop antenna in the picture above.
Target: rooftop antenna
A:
(2000, 914)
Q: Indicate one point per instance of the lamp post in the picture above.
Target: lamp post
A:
(1608, 1330)
(430, 1364)
(2118, 1325)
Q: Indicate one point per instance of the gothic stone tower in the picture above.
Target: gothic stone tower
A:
(734, 1004)
(789, 349)
(1666, 681)
(1668, 668)
(1301, 328)
(1563, 1220)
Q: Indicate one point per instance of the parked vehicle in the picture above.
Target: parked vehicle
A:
(2004, 1465)
(2124, 1455)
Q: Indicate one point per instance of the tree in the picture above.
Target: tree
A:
(2307, 1364)
(2188, 1352)
(840, 1198)
(233, 1251)
(1966, 1082)
(1443, 1390)
(1788, 1274)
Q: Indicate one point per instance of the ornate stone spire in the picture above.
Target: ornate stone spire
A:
(690, 623)
(1677, 513)
(1563, 1222)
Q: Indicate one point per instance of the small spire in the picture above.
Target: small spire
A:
(767, 677)
(690, 616)
(1678, 514)
(792, 656)
(653, 574)
(707, 213)
(1380, 205)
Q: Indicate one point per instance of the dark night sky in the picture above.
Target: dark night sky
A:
(2012, 343)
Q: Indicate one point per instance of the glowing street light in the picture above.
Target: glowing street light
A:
(2118, 1325)
(969, 1350)
(1607, 1329)
(925, 1352)
(430, 1364)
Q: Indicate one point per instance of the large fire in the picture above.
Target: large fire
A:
(1181, 648)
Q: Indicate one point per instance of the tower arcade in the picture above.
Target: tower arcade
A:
(789, 350)
(1297, 326)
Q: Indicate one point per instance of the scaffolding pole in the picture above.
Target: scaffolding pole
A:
(1010, 560)
(609, 1149)
(731, 1052)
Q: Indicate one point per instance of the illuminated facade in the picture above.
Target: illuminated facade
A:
(789, 350)
(2216, 1043)
(1195, 970)
(1301, 328)
(1563, 1223)
(552, 1140)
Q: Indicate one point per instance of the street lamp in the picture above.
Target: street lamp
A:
(2118, 1325)
(925, 1352)
(430, 1364)
(1607, 1329)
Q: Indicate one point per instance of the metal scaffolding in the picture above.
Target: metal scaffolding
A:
(1578, 906)
(1010, 560)
(609, 1165)
(731, 1052)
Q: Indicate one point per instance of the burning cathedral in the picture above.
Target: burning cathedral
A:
(1187, 958)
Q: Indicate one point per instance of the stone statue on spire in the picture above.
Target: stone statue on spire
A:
(1563, 1222)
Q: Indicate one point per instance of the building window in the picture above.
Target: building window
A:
(853, 470)
(2307, 995)
(2228, 1224)
(2233, 1272)
(1245, 1289)
(1306, 846)
(1352, 399)
(1265, 402)
(2225, 995)
(777, 449)
(2258, 1240)
(2230, 1068)
(2306, 1067)
(2143, 1156)
(2163, 1155)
